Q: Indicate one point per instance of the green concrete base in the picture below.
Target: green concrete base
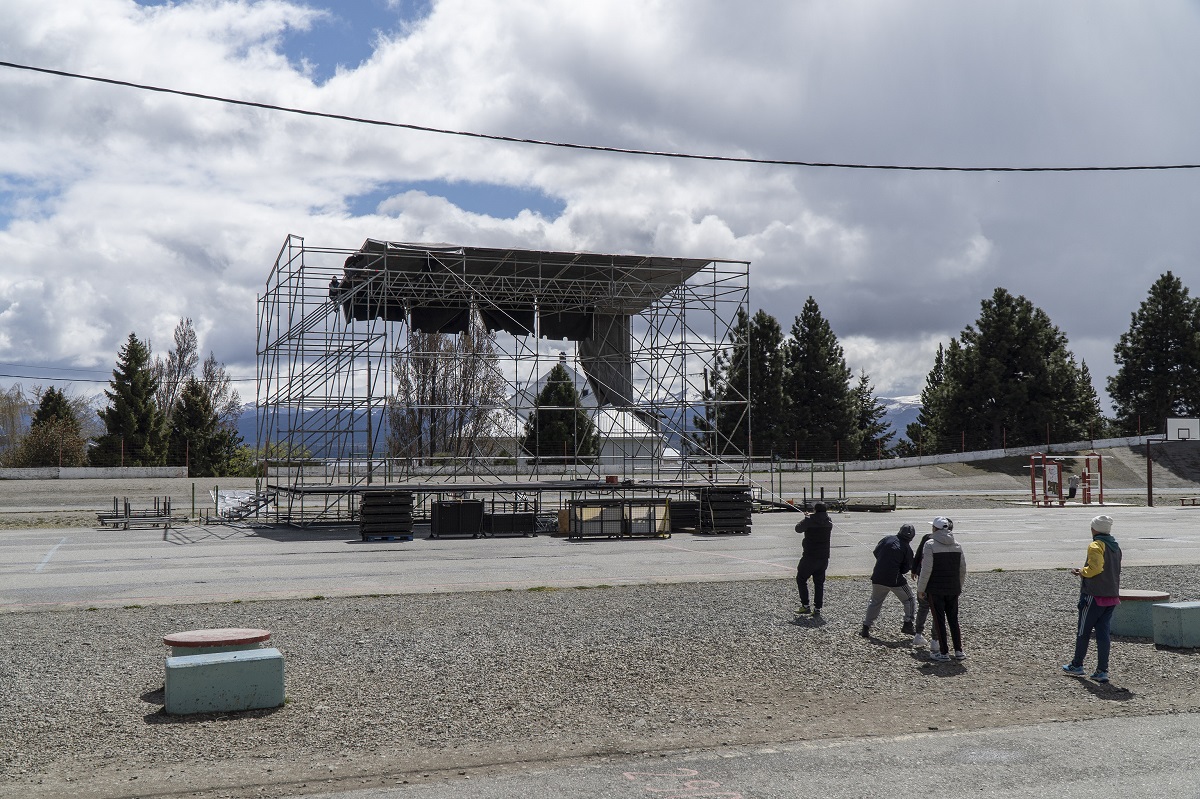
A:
(1177, 624)
(224, 682)
(1134, 617)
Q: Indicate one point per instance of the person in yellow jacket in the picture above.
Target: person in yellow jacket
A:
(1099, 595)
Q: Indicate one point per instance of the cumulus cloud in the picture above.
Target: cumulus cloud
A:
(123, 210)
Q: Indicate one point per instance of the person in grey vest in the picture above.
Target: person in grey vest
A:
(919, 641)
(1099, 594)
(943, 574)
(893, 561)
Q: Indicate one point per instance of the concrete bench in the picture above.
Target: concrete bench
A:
(1134, 617)
(224, 682)
(1177, 624)
(222, 670)
(1189, 500)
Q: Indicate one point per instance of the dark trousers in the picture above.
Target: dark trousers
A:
(943, 609)
(815, 569)
(1093, 617)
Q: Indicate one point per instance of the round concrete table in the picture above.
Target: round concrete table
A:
(223, 639)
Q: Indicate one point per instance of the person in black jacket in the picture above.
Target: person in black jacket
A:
(816, 528)
(893, 561)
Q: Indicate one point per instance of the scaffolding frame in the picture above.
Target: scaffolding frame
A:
(337, 328)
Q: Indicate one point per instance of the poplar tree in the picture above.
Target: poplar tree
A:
(135, 429)
(1158, 360)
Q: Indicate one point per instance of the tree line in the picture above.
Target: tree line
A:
(1008, 380)
(176, 411)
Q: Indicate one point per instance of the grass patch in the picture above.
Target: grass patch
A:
(131, 607)
(543, 588)
(318, 596)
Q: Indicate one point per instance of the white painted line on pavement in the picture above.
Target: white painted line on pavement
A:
(49, 555)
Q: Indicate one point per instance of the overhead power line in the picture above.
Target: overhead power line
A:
(589, 147)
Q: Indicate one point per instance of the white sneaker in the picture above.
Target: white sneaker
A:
(919, 641)
(959, 654)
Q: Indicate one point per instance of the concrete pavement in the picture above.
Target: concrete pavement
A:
(1132, 758)
(79, 567)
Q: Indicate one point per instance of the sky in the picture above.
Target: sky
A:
(123, 210)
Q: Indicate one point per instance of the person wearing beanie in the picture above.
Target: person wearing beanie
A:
(817, 528)
(1099, 594)
(893, 561)
(943, 575)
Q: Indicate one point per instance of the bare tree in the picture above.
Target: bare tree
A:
(14, 417)
(448, 389)
(180, 364)
(224, 397)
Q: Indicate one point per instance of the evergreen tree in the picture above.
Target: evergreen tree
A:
(54, 406)
(874, 435)
(558, 427)
(1010, 381)
(726, 426)
(198, 432)
(135, 430)
(821, 415)
(1158, 360)
(920, 434)
(768, 403)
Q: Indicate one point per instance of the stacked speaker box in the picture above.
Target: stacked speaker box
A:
(724, 510)
(457, 517)
(685, 514)
(386, 514)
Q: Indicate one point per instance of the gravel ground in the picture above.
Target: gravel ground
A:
(383, 690)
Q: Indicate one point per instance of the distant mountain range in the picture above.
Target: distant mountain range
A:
(901, 411)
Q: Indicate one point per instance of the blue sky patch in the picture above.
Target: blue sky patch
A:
(490, 199)
(345, 35)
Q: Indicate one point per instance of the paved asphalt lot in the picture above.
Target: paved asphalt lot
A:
(81, 567)
(1139, 758)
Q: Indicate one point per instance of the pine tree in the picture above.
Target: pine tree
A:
(725, 429)
(197, 431)
(54, 406)
(821, 416)
(135, 430)
(1011, 382)
(921, 433)
(874, 435)
(1158, 360)
(559, 428)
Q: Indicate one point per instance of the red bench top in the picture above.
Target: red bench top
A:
(224, 636)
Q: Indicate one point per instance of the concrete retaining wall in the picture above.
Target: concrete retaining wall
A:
(952, 457)
(94, 473)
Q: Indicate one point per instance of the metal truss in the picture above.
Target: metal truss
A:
(337, 329)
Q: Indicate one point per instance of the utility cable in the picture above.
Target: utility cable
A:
(588, 147)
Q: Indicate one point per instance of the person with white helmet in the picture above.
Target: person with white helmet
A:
(943, 575)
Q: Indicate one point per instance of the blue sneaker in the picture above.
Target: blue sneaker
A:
(1073, 670)
(1100, 676)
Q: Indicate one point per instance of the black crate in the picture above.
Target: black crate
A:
(457, 517)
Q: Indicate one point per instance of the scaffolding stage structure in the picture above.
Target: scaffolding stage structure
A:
(434, 364)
